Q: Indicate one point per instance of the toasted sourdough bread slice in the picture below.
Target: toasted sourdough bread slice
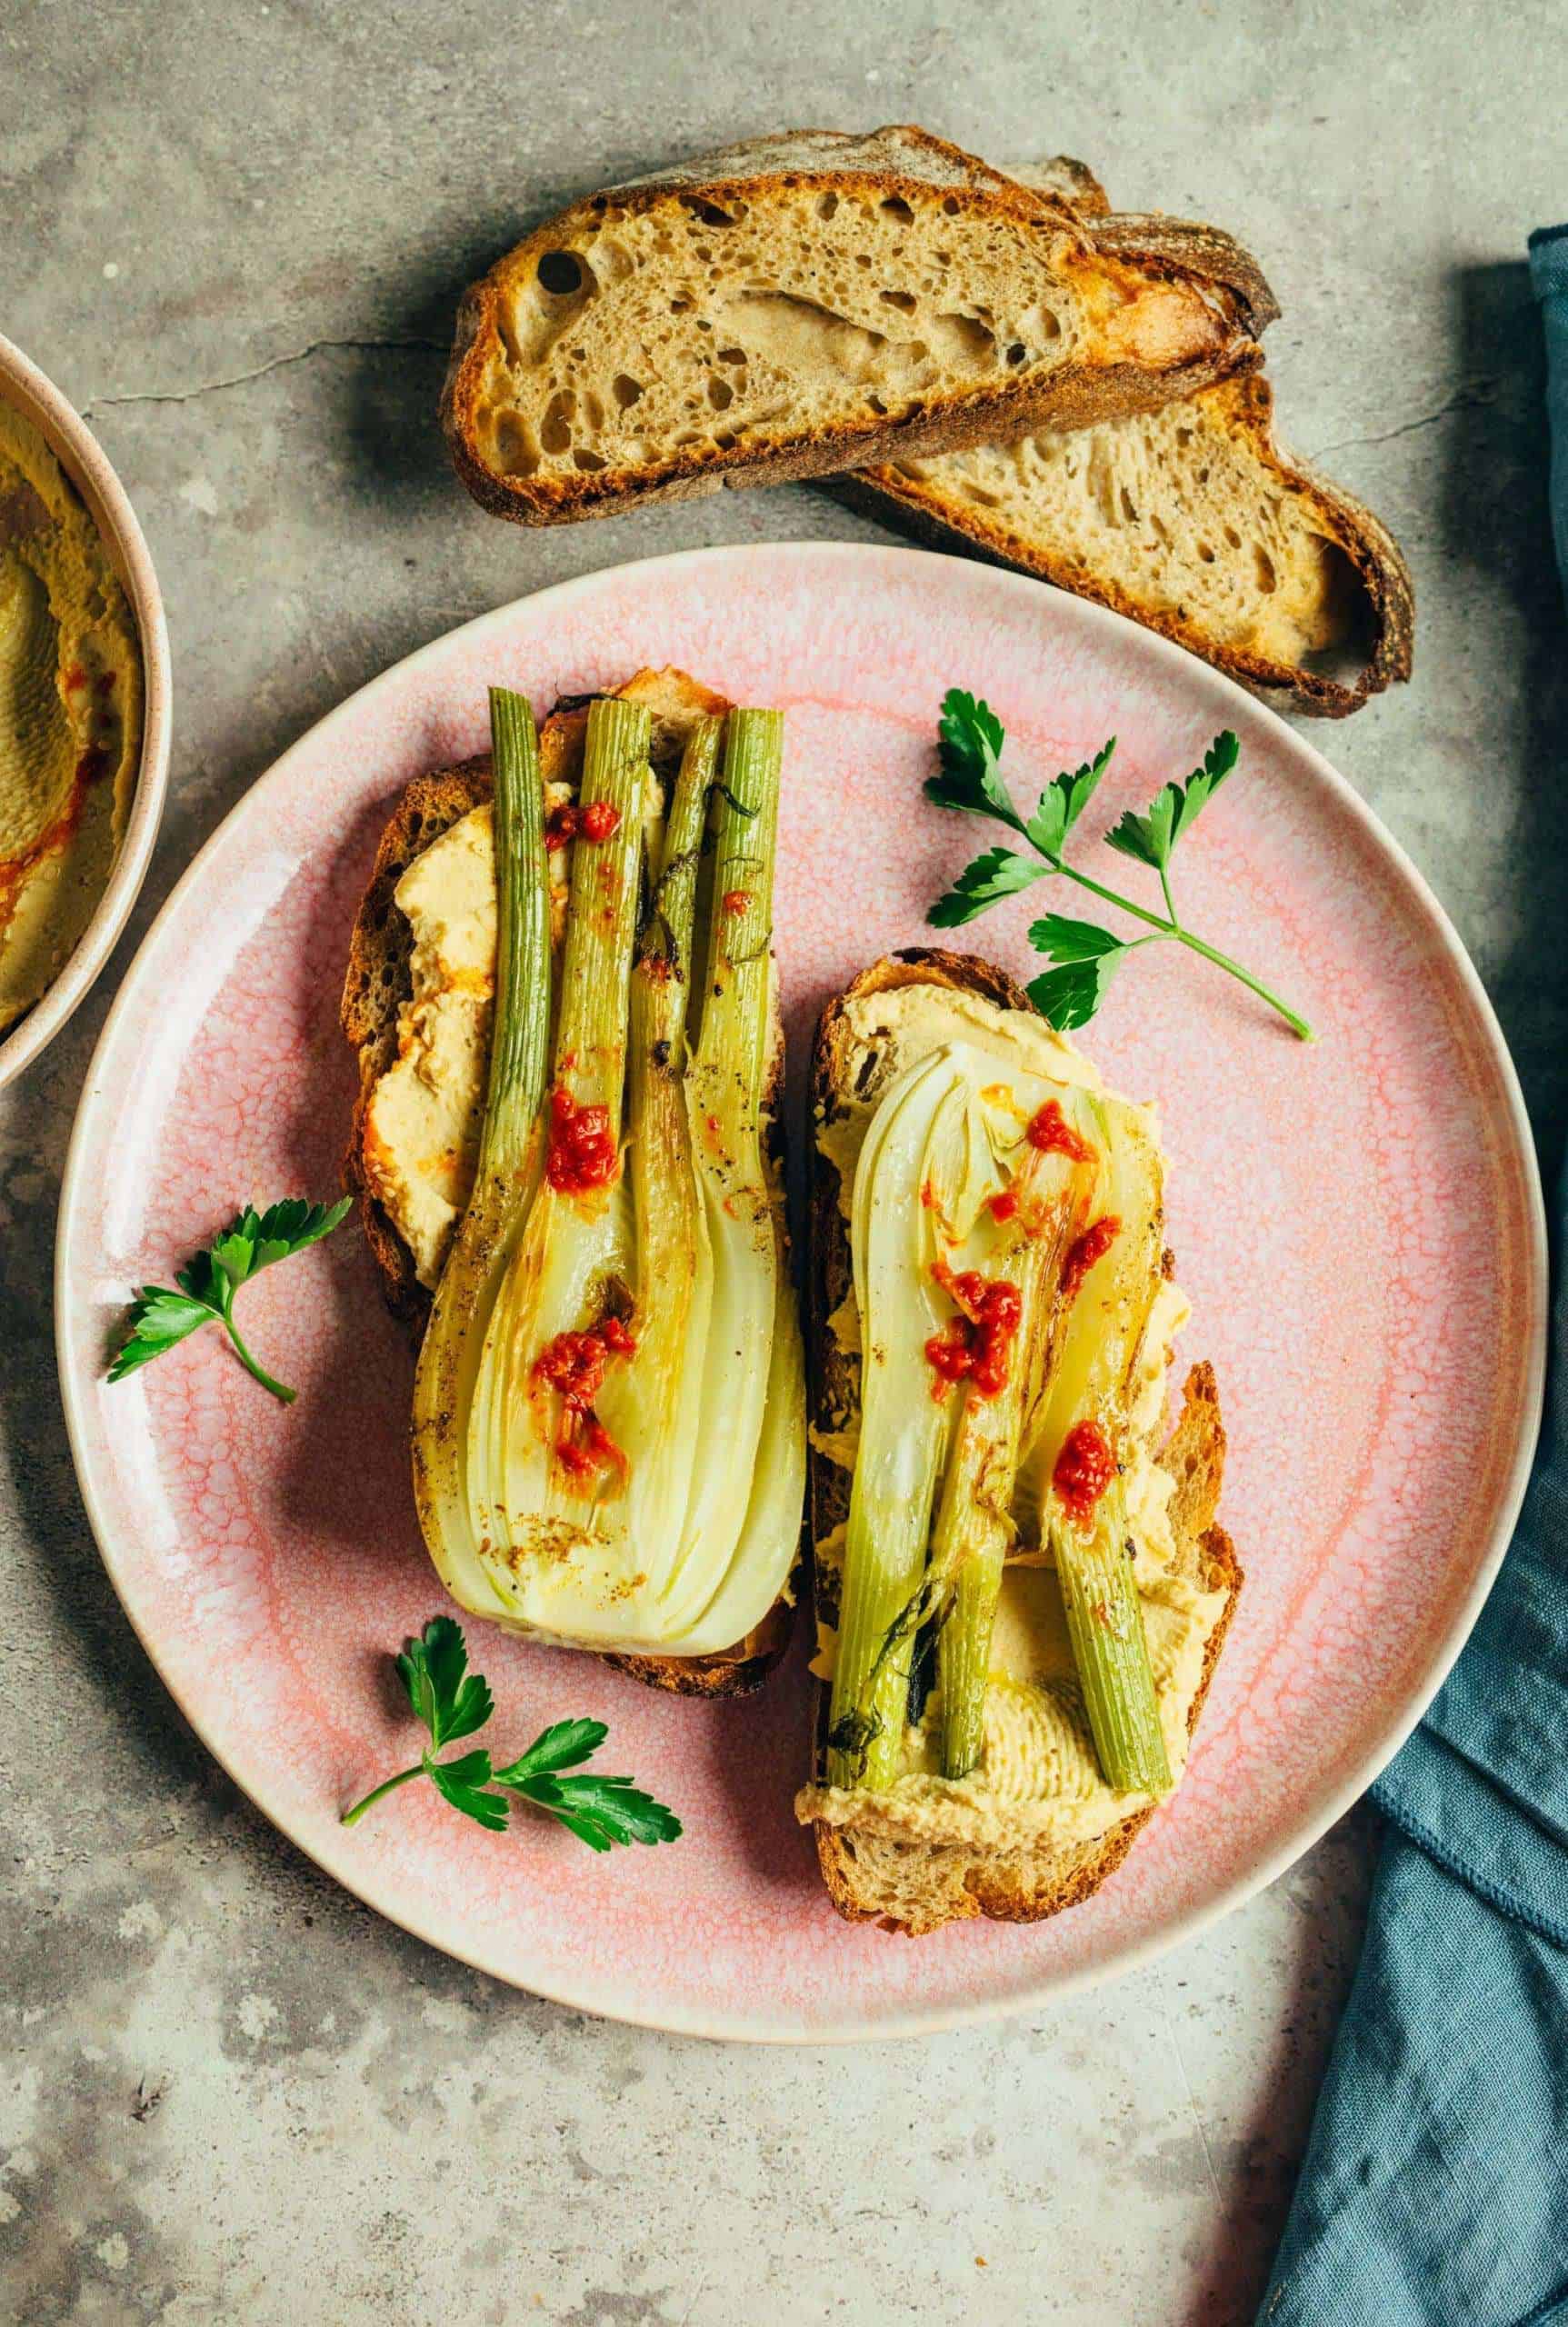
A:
(910, 1886)
(377, 989)
(1191, 519)
(809, 303)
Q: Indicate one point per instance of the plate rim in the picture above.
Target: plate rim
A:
(1117, 1960)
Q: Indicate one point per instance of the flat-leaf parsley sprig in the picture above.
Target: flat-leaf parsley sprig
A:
(252, 1242)
(454, 1702)
(1085, 954)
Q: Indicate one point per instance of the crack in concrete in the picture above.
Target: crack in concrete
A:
(1465, 398)
(260, 371)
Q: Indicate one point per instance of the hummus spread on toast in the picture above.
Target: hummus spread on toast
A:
(423, 1121)
(422, 1126)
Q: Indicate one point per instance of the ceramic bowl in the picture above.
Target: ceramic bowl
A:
(83, 460)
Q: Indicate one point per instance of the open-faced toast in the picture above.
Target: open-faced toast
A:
(379, 1017)
(913, 1882)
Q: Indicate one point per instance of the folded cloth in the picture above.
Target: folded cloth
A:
(1436, 2184)
(1549, 272)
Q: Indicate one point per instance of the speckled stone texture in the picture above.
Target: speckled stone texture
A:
(236, 235)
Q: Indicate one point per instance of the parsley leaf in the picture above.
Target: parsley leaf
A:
(1001, 872)
(996, 875)
(462, 1782)
(1219, 761)
(433, 1670)
(600, 1810)
(1150, 838)
(253, 1241)
(1060, 939)
(1067, 998)
(969, 746)
(159, 1319)
(454, 1702)
(559, 1747)
(1086, 955)
(1064, 801)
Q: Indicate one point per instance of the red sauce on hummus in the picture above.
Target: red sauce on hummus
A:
(597, 822)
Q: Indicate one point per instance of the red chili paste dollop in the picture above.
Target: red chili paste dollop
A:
(977, 1347)
(1084, 1469)
(1052, 1133)
(1093, 1245)
(574, 1365)
(581, 1153)
(597, 822)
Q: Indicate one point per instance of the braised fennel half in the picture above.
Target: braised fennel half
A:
(1005, 1248)
(609, 1431)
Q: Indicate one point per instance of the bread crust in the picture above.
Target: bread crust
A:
(911, 1887)
(1071, 181)
(1245, 403)
(376, 985)
(900, 162)
(1138, 234)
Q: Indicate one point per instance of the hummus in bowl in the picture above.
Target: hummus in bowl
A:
(84, 710)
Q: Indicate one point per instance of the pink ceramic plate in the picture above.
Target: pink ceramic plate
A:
(1359, 1224)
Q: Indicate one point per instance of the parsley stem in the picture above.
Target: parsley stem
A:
(1298, 1025)
(1172, 928)
(252, 1365)
(1109, 896)
(387, 1785)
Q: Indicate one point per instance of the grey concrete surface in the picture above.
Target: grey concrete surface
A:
(235, 235)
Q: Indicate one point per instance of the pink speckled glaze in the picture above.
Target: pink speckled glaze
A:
(1358, 1226)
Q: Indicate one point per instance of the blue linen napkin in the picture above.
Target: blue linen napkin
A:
(1434, 2191)
(1549, 272)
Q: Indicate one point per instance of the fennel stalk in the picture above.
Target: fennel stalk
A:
(507, 1170)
